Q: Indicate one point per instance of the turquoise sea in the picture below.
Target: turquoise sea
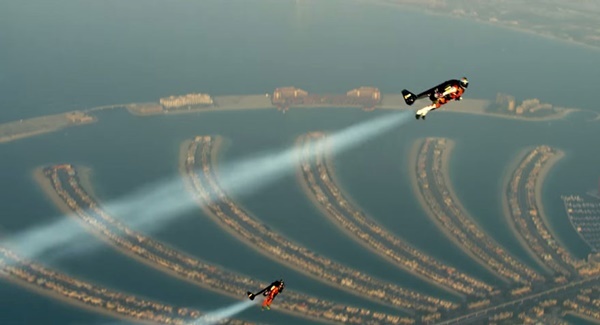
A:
(66, 54)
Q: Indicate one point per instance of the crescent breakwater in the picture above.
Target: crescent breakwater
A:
(367, 98)
(63, 184)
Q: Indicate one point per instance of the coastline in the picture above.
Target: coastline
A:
(85, 174)
(515, 28)
(414, 153)
(508, 173)
(538, 194)
(46, 187)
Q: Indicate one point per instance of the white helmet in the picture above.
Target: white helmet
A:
(464, 82)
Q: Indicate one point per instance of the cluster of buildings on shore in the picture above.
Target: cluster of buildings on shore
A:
(508, 105)
(316, 174)
(527, 218)
(283, 98)
(586, 303)
(188, 267)
(537, 314)
(189, 100)
(258, 235)
(79, 117)
(16, 268)
(65, 182)
(526, 215)
(529, 303)
(433, 188)
(543, 307)
(365, 97)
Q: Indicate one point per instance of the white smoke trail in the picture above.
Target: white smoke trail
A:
(251, 174)
(157, 204)
(219, 315)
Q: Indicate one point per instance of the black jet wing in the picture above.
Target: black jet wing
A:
(410, 98)
(267, 288)
(437, 89)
